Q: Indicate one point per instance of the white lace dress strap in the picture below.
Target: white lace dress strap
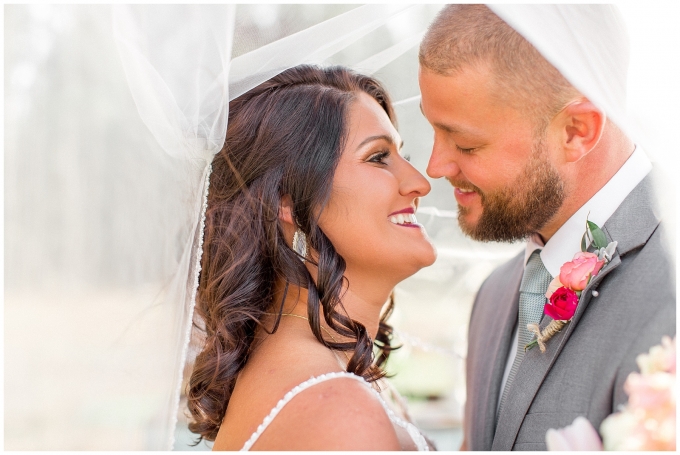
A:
(416, 436)
(413, 432)
(289, 396)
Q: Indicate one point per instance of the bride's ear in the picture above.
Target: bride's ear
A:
(286, 210)
(286, 218)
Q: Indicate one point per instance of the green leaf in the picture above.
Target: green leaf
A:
(599, 239)
(592, 226)
(584, 243)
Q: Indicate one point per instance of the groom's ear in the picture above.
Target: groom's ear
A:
(578, 129)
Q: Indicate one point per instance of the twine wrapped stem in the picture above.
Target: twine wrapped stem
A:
(542, 337)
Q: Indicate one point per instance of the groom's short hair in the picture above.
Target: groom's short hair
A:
(468, 35)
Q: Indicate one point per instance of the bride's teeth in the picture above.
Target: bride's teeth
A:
(403, 218)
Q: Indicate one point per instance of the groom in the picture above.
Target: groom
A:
(532, 158)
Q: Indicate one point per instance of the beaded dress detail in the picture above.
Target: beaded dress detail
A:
(416, 436)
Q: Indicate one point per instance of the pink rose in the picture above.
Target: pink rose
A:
(661, 358)
(655, 393)
(563, 303)
(669, 349)
(648, 420)
(575, 274)
(580, 435)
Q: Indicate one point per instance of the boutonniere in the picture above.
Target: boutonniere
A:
(565, 290)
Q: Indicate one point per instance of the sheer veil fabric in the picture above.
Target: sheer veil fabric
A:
(114, 231)
(587, 43)
(177, 62)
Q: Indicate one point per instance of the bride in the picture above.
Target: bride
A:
(310, 224)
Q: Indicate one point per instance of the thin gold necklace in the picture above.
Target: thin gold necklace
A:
(322, 327)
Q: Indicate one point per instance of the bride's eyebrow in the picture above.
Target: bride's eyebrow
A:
(382, 137)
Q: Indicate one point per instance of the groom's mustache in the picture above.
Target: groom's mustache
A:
(464, 186)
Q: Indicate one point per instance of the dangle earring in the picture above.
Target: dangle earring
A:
(300, 244)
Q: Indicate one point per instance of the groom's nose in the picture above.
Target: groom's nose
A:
(442, 163)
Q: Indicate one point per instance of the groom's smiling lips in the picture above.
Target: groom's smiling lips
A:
(464, 192)
(465, 186)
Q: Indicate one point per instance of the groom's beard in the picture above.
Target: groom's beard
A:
(520, 209)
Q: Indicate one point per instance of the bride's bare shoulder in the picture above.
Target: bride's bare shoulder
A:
(337, 414)
(319, 418)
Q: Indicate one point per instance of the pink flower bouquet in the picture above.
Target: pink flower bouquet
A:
(648, 420)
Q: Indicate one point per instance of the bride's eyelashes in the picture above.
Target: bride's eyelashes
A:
(379, 157)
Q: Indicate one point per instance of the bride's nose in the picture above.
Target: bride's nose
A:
(412, 182)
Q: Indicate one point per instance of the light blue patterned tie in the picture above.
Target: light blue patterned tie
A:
(532, 299)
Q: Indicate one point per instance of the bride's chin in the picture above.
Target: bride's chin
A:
(429, 259)
(428, 254)
(419, 260)
(392, 264)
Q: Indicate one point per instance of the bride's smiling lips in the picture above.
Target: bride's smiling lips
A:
(404, 217)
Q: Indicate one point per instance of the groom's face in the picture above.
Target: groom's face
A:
(505, 182)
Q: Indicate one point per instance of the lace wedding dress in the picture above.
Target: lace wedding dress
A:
(399, 424)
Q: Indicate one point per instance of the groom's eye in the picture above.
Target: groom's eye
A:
(465, 151)
(379, 157)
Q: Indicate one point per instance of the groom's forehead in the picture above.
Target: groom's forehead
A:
(451, 127)
(474, 39)
(467, 35)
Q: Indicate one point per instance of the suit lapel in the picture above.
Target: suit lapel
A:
(637, 217)
(493, 332)
(631, 225)
(506, 322)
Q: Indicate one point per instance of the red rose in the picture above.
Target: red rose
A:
(563, 303)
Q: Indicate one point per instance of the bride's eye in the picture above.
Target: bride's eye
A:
(379, 157)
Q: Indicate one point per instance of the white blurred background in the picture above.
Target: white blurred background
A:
(86, 329)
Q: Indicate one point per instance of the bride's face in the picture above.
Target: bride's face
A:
(373, 198)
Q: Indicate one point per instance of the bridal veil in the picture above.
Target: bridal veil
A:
(106, 180)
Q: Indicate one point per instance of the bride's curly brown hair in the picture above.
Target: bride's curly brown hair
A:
(284, 137)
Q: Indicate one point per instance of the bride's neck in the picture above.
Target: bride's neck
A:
(362, 304)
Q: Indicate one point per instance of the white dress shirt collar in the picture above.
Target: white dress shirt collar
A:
(566, 242)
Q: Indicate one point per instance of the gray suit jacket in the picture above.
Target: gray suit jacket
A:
(585, 365)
